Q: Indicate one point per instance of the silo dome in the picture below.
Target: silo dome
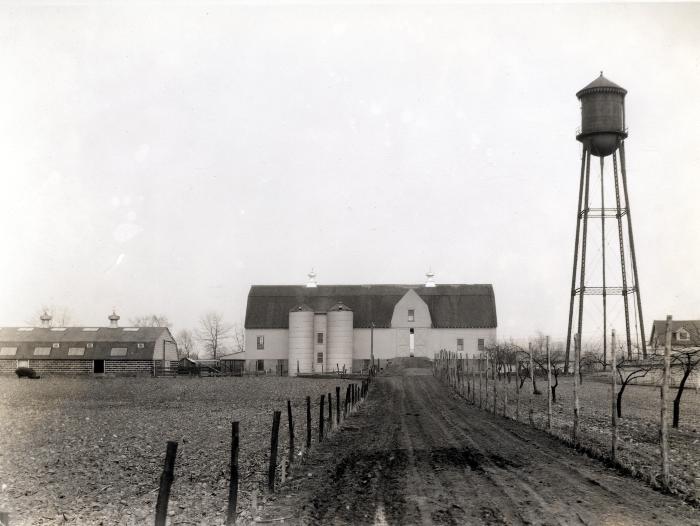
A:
(301, 339)
(340, 335)
(602, 116)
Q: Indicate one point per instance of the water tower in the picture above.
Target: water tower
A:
(603, 132)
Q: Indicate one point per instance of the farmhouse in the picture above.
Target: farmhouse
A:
(684, 333)
(109, 350)
(316, 328)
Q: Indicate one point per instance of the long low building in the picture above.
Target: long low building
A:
(316, 328)
(112, 350)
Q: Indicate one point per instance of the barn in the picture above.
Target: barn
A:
(113, 350)
(315, 328)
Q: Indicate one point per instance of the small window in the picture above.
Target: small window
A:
(411, 315)
(118, 351)
(261, 343)
(319, 337)
(58, 329)
(683, 335)
(76, 351)
(139, 345)
(22, 363)
(42, 351)
(26, 329)
(55, 345)
(131, 329)
(8, 351)
(90, 329)
(89, 345)
(319, 358)
(480, 344)
(460, 344)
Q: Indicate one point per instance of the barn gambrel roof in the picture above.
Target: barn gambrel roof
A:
(453, 306)
(103, 339)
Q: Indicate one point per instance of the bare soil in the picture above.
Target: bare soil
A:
(416, 453)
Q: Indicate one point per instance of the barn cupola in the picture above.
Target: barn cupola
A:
(312, 283)
(114, 320)
(430, 279)
(45, 320)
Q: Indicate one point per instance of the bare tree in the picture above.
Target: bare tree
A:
(150, 320)
(60, 316)
(686, 360)
(556, 353)
(629, 370)
(185, 345)
(213, 332)
(238, 338)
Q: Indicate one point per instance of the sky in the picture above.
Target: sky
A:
(163, 159)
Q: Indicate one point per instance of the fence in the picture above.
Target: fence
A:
(281, 459)
(586, 414)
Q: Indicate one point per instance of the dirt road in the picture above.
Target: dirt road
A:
(416, 454)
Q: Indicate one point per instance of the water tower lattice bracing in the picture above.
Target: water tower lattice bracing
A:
(602, 134)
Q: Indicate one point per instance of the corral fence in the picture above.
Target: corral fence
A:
(599, 412)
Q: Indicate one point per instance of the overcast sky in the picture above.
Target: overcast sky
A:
(162, 160)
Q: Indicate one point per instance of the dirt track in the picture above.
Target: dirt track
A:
(416, 454)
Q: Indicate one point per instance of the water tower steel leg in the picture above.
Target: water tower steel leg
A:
(623, 169)
(583, 258)
(573, 273)
(602, 226)
(622, 258)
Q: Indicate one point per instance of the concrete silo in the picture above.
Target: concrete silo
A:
(340, 334)
(301, 340)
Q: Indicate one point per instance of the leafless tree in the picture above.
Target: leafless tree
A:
(556, 356)
(185, 345)
(686, 360)
(629, 370)
(60, 316)
(213, 332)
(238, 337)
(150, 320)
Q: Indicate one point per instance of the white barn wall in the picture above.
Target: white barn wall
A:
(276, 344)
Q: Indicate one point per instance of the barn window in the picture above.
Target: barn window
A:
(22, 363)
(55, 345)
(319, 337)
(411, 315)
(460, 344)
(42, 351)
(139, 345)
(89, 345)
(480, 344)
(118, 351)
(319, 358)
(8, 351)
(76, 351)
(26, 329)
(261, 343)
(683, 335)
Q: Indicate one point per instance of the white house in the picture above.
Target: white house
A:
(318, 328)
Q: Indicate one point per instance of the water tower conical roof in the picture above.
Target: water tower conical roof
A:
(601, 84)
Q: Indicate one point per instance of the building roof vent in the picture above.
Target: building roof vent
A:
(114, 320)
(430, 281)
(45, 320)
(312, 283)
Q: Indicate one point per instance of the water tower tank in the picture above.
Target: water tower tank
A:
(340, 333)
(602, 116)
(301, 339)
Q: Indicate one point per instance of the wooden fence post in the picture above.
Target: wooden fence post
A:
(290, 425)
(549, 387)
(308, 422)
(320, 420)
(613, 388)
(233, 482)
(664, 402)
(330, 411)
(166, 480)
(274, 440)
(517, 389)
(347, 401)
(486, 386)
(337, 405)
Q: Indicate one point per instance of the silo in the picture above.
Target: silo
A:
(340, 333)
(602, 116)
(301, 339)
